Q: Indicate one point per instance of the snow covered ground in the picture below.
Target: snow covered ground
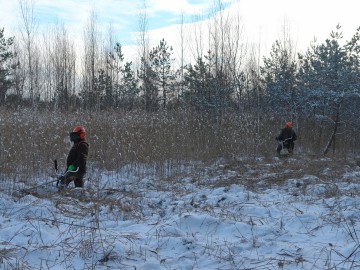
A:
(265, 213)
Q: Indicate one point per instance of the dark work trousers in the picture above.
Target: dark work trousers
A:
(287, 145)
(78, 179)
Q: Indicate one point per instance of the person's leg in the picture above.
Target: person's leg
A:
(279, 148)
(291, 147)
(79, 182)
(67, 179)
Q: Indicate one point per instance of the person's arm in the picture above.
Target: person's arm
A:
(281, 136)
(71, 157)
(83, 150)
(294, 136)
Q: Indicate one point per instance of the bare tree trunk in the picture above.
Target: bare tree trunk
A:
(90, 64)
(144, 56)
(227, 48)
(64, 65)
(110, 71)
(59, 68)
(181, 55)
(196, 40)
(19, 74)
(29, 27)
(334, 132)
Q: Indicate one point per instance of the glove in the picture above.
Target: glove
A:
(71, 168)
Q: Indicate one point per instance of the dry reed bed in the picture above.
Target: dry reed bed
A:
(160, 143)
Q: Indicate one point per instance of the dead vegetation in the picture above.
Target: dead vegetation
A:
(167, 145)
(134, 185)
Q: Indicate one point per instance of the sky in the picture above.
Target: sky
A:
(123, 15)
(293, 218)
(263, 20)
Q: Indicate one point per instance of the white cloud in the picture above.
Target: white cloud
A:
(178, 7)
(263, 19)
(8, 18)
(307, 19)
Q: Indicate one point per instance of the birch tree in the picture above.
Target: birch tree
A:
(28, 30)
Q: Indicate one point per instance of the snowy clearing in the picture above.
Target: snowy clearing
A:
(291, 213)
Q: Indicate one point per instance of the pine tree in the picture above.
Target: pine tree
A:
(279, 78)
(208, 89)
(198, 81)
(6, 65)
(329, 80)
(156, 76)
(161, 63)
(117, 84)
(129, 89)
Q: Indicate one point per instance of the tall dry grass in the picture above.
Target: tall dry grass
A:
(166, 142)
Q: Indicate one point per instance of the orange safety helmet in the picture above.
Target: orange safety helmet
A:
(81, 130)
(288, 125)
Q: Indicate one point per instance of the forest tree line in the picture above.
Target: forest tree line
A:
(322, 84)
